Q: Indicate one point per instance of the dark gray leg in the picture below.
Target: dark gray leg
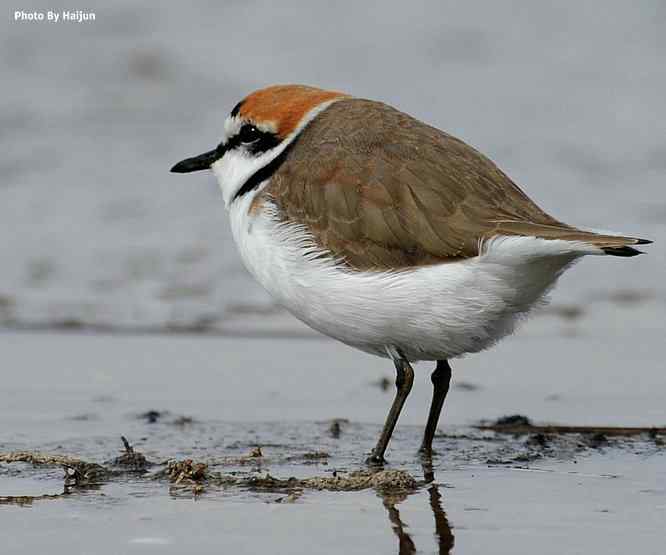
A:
(403, 383)
(440, 378)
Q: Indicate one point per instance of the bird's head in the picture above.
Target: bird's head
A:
(256, 133)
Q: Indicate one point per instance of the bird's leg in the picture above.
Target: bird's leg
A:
(440, 378)
(403, 383)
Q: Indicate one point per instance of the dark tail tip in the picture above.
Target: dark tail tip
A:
(644, 241)
(623, 251)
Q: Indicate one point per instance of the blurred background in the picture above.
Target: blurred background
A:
(567, 98)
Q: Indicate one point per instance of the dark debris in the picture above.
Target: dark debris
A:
(131, 460)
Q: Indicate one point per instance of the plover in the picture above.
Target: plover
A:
(385, 233)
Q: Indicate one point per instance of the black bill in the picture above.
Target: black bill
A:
(197, 163)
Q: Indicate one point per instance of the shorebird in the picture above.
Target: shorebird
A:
(385, 233)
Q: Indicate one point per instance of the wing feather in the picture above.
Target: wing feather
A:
(380, 190)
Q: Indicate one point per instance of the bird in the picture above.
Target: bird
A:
(385, 233)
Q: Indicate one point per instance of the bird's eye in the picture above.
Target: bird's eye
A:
(249, 134)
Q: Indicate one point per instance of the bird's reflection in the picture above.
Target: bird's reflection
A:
(405, 542)
(443, 533)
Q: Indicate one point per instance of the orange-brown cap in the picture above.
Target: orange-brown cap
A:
(282, 107)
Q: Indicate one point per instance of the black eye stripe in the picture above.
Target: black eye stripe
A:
(248, 134)
(253, 139)
(266, 141)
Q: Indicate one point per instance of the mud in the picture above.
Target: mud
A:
(513, 440)
(469, 497)
(521, 425)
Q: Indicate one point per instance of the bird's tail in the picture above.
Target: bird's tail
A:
(614, 245)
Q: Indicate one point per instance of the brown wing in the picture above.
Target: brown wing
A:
(382, 190)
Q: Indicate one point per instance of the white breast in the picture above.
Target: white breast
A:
(429, 313)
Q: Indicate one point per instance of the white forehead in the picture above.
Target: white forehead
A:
(232, 126)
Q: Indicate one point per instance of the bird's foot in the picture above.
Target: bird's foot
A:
(375, 460)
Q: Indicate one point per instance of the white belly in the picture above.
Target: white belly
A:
(429, 313)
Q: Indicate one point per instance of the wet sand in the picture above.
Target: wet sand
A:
(214, 400)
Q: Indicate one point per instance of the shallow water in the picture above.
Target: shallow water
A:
(480, 511)
(566, 98)
(76, 394)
